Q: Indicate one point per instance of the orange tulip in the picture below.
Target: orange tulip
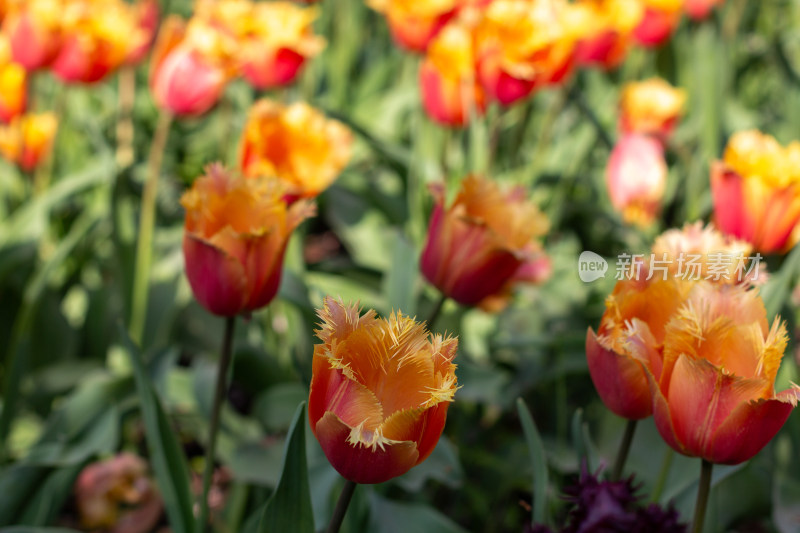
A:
(756, 191)
(700, 9)
(380, 390)
(296, 144)
(523, 45)
(414, 23)
(13, 85)
(638, 309)
(604, 30)
(651, 107)
(659, 20)
(190, 66)
(478, 244)
(147, 14)
(636, 176)
(34, 31)
(714, 397)
(27, 140)
(280, 41)
(450, 92)
(236, 232)
(97, 38)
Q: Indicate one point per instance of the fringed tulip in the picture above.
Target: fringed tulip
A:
(236, 232)
(297, 144)
(380, 390)
(34, 31)
(604, 30)
(636, 177)
(476, 246)
(659, 21)
(637, 309)
(190, 66)
(715, 396)
(523, 45)
(651, 107)
(27, 140)
(13, 85)
(450, 92)
(414, 23)
(756, 191)
(280, 41)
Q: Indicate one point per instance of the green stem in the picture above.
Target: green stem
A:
(666, 463)
(624, 448)
(341, 506)
(213, 428)
(576, 97)
(147, 216)
(126, 98)
(436, 311)
(702, 497)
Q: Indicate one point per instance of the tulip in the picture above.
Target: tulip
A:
(34, 31)
(414, 23)
(636, 177)
(659, 20)
(147, 14)
(639, 310)
(534, 271)
(651, 107)
(13, 85)
(450, 92)
(190, 66)
(279, 43)
(523, 45)
(604, 30)
(478, 244)
(715, 396)
(116, 495)
(236, 232)
(296, 144)
(756, 191)
(380, 390)
(97, 38)
(27, 140)
(700, 9)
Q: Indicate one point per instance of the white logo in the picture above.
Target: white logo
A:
(591, 267)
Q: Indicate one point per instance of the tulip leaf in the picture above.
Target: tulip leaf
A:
(538, 462)
(401, 281)
(289, 508)
(387, 516)
(166, 455)
(779, 285)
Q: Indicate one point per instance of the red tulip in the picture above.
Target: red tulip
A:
(34, 31)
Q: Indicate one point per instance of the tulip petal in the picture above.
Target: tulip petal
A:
(435, 419)
(218, 280)
(359, 462)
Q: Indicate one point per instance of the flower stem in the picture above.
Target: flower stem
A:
(126, 94)
(624, 448)
(144, 246)
(666, 463)
(216, 407)
(576, 97)
(437, 310)
(341, 506)
(702, 497)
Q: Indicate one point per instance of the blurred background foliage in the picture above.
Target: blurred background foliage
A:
(66, 257)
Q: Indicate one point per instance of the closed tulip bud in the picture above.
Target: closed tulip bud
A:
(700, 9)
(236, 231)
(27, 140)
(523, 45)
(659, 21)
(97, 38)
(280, 41)
(651, 107)
(190, 66)
(603, 29)
(297, 144)
(380, 390)
(34, 31)
(756, 191)
(450, 92)
(13, 85)
(715, 395)
(638, 310)
(414, 23)
(476, 246)
(636, 177)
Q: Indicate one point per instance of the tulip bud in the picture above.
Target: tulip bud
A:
(13, 85)
(651, 107)
(380, 390)
(476, 246)
(27, 140)
(295, 144)
(236, 232)
(636, 177)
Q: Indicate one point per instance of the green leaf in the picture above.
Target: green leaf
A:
(538, 462)
(779, 285)
(401, 282)
(392, 517)
(289, 508)
(166, 456)
(48, 500)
